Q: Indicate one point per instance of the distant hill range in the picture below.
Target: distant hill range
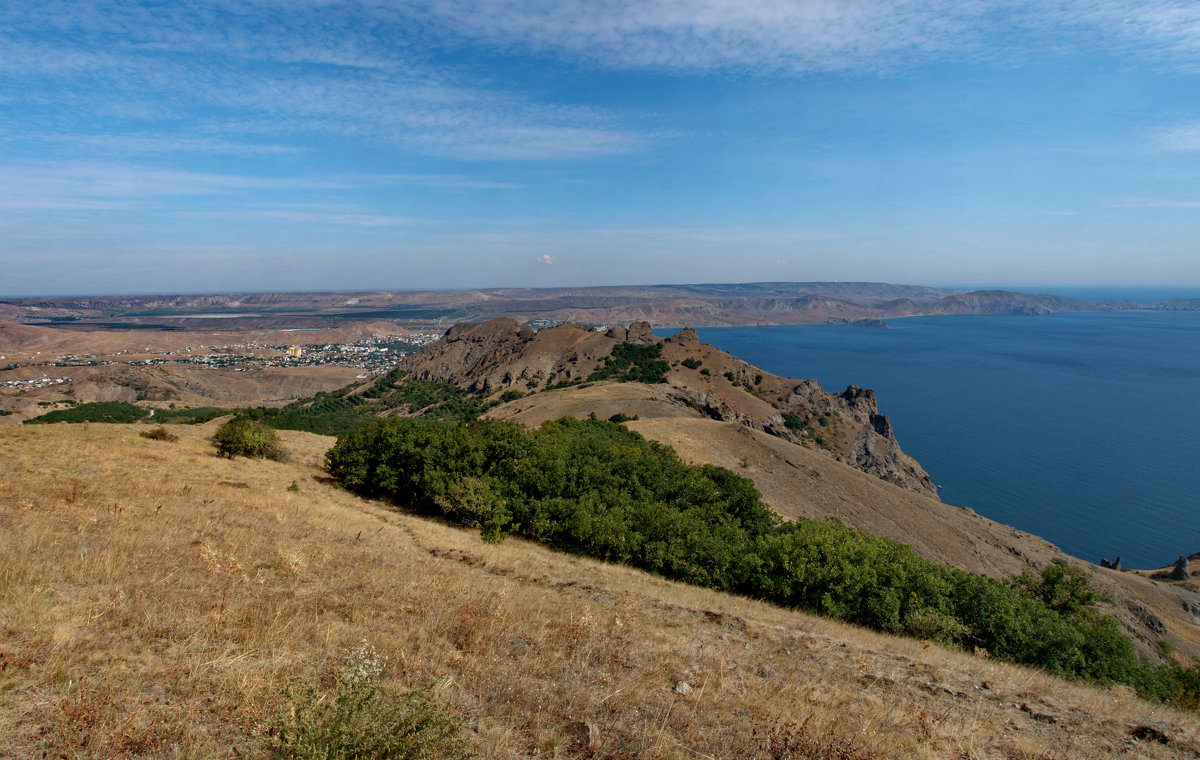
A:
(712, 305)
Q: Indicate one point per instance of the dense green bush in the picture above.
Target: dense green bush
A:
(794, 422)
(195, 415)
(631, 363)
(99, 411)
(245, 437)
(331, 415)
(593, 487)
(691, 363)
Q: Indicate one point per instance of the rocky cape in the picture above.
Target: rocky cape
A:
(501, 355)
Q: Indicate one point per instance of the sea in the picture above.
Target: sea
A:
(1081, 428)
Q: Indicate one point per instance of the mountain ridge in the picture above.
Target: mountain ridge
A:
(695, 305)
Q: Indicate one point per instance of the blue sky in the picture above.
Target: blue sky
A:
(292, 145)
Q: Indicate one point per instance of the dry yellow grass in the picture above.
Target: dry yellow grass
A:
(154, 599)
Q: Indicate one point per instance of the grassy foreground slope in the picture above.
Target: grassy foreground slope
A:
(154, 600)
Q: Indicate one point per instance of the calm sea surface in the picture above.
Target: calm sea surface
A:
(1082, 428)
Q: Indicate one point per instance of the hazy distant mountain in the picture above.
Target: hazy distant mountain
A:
(700, 305)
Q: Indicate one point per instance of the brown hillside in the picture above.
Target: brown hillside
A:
(26, 338)
(154, 601)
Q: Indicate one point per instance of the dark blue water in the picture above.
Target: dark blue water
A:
(1082, 428)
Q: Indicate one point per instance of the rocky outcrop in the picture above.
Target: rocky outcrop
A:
(1114, 565)
(1182, 570)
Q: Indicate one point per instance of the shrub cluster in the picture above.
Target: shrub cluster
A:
(244, 437)
(331, 415)
(190, 415)
(631, 363)
(99, 411)
(593, 487)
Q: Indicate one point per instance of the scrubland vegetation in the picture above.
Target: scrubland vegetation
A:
(243, 437)
(99, 411)
(630, 363)
(158, 601)
(592, 487)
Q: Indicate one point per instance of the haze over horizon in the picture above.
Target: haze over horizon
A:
(274, 146)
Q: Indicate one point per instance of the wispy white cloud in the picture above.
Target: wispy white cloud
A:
(94, 185)
(449, 181)
(282, 70)
(149, 144)
(66, 182)
(1156, 203)
(371, 69)
(820, 35)
(1178, 137)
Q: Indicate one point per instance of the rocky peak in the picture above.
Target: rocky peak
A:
(1182, 570)
(640, 334)
(859, 399)
(500, 330)
(686, 337)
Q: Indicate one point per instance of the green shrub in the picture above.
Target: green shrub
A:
(630, 363)
(511, 395)
(99, 411)
(246, 437)
(691, 363)
(794, 422)
(361, 719)
(196, 415)
(328, 416)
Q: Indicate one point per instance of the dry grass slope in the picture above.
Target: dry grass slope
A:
(154, 599)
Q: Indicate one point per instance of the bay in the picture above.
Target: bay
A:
(1081, 428)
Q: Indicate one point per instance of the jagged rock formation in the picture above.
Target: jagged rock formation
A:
(1114, 565)
(1182, 571)
(501, 355)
